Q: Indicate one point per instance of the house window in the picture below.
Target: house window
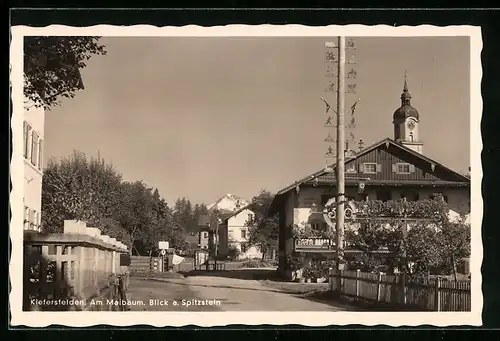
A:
(40, 154)
(370, 168)
(34, 148)
(205, 235)
(384, 195)
(438, 195)
(244, 234)
(243, 247)
(250, 218)
(403, 168)
(410, 196)
(318, 227)
(351, 168)
(31, 219)
(26, 139)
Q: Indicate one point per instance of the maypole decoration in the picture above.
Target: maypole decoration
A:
(351, 89)
(331, 59)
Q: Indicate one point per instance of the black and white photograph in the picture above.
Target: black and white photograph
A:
(252, 174)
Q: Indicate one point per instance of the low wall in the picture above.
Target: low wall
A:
(74, 270)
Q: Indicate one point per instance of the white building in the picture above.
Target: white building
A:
(234, 233)
(33, 138)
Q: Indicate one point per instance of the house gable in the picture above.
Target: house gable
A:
(385, 155)
(240, 219)
(390, 161)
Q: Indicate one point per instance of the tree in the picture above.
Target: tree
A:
(185, 215)
(413, 245)
(454, 244)
(263, 230)
(369, 238)
(92, 191)
(52, 66)
(82, 189)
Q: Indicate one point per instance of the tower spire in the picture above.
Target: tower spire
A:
(405, 88)
(405, 96)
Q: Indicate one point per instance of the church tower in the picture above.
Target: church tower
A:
(406, 120)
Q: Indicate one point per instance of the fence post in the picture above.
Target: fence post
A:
(330, 278)
(379, 284)
(403, 288)
(341, 281)
(357, 282)
(437, 295)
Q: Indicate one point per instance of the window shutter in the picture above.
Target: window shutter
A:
(394, 168)
(30, 217)
(412, 168)
(34, 148)
(40, 154)
(25, 137)
(379, 168)
(361, 168)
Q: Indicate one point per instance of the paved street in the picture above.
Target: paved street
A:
(150, 295)
(207, 293)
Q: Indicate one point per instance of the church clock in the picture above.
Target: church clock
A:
(411, 125)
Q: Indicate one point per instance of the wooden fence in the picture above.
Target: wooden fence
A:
(145, 264)
(66, 271)
(427, 294)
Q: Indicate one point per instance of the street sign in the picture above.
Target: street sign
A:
(314, 244)
(162, 245)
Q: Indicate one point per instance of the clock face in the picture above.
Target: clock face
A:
(411, 125)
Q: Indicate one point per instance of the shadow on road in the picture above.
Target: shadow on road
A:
(220, 286)
(244, 274)
(355, 304)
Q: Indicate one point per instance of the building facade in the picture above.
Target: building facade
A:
(234, 232)
(391, 169)
(228, 230)
(33, 148)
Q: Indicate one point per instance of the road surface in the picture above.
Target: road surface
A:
(151, 295)
(206, 293)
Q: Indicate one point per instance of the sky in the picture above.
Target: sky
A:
(202, 117)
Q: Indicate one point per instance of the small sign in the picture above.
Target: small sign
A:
(162, 245)
(313, 244)
(125, 259)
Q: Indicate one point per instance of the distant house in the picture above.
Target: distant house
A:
(233, 232)
(192, 240)
(227, 219)
(204, 233)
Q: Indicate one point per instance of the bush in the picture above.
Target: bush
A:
(233, 253)
(295, 262)
(257, 263)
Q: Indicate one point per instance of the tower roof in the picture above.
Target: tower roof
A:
(406, 110)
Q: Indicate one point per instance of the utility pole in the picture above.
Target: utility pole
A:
(340, 158)
(217, 237)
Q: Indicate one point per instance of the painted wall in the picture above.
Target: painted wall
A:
(458, 198)
(235, 226)
(33, 165)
